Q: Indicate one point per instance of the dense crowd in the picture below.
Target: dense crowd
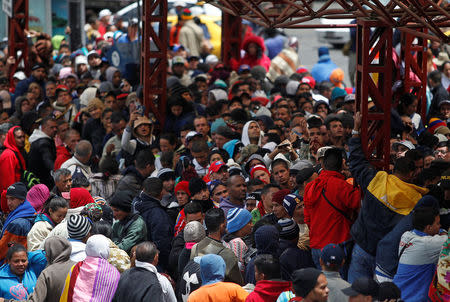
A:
(255, 187)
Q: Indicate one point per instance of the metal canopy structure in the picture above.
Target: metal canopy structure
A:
(406, 15)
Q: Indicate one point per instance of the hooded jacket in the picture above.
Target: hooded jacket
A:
(321, 71)
(129, 232)
(50, 282)
(42, 156)
(9, 163)
(43, 225)
(159, 225)
(132, 181)
(245, 138)
(387, 199)
(62, 155)
(268, 290)
(252, 61)
(326, 224)
(73, 164)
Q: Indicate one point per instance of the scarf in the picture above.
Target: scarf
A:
(261, 209)
(24, 210)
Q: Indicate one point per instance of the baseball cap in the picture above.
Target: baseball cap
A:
(178, 60)
(405, 143)
(62, 88)
(17, 190)
(322, 150)
(243, 68)
(216, 166)
(332, 255)
(104, 12)
(191, 135)
(309, 80)
(349, 98)
(20, 75)
(362, 286)
(177, 47)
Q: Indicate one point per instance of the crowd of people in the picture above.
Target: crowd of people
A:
(255, 187)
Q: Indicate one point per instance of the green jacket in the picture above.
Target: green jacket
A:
(129, 232)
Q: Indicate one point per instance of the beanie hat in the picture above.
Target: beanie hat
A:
(194, 232)
(186, 14)
(216, 124)
(279, 196)
(79, 197)
(435, 123)
(182, 186)
(196, 185)
(212, 185)
(37, 196)
(290, 202)
(338, 93)
(266, 239)
(289, 229)
(304, 280)
(258, 167)
(337, 77)
(17, 190)
(323, 51)
(78, 226)
(122, 200)
(237, 219)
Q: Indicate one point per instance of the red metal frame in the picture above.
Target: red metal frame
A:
(375, 126)
(231, 37)
(414, 55)
(154, 59)
(17, 37)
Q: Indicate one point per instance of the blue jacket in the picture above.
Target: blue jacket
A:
(387, 249)
(159, 225)
(322, 69)
(387, 199)
(10, 285)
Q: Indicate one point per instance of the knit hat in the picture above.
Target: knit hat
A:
(256, 168)
(186, 14)
(37, 196)
(338, 93)
(337, 77)
(194, 232)
(79, 197)
(212, 185)
(278, 197)
(17, 190)
(332, 255)
(362, 286)
(95, 103)
(304, 280)
(78, 226)
(196, 185)
(388, 291)
(246, 152)
(166, 174)
(435, 123)
(290, 201)
(122, 200)
(216, 124)
(94, 211)
(182, 186)
(237, 219)
(442, 130)
(289, 229)
(323, 50)
(291, 87)
(267, 239)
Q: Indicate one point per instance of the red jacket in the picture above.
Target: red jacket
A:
(9, 164)
(252, 60)
(62, 154)
(326, 224)
(268, 291)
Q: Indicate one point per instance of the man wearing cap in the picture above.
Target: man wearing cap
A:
(191, 35)
(310, 284)
(383, 204)
(104, 17)
(349, 103)
(63, 103)
(38, 74)
(402, 147)
(218, 170)
(179, 70)
(79, 230)
(363, 289)
(19, 220)
(129, 228)
(42, 155)
(331, 261)
(330, 205)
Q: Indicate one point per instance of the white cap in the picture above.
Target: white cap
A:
(211, 59)
(104, 12)
(81, 60)
(20, 75)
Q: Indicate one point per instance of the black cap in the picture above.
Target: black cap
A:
(17, 190)
(388, 291)
(362, 286)
(37, 66)
(304, 280)
(122, 200)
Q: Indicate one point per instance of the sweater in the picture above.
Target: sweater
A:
(268, 290)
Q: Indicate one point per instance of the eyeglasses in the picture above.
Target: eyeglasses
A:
(440, 152)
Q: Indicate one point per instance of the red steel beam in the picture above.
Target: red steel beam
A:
(375, 126)
(231, 37)
(154, 57)
(17, 38)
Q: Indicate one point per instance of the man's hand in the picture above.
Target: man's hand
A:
(357, 124)
(110, 149)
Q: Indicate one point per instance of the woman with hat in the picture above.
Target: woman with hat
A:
(141, 127)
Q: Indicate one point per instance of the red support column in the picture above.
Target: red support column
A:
(231, 37)
(154, 57)
(17, 38)
(414, 54)
(374, 81)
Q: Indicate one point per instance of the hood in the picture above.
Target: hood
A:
(267, 240)
(230, 146)
(109, 73)
(253, 39)
(57, 249)
(18, 104)
(212, 269)
(245, 138)
(37, 134)
(10, 143)
(87, 95)
(269, 290)
(324, 58)
(267, 120)
(145, 202)
(218, 94)
(315, 188)
(427, 201)
(254, 156)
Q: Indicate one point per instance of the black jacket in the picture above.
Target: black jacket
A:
(159, 226)
(41, 159)
(94, 132)
(177, 246)
(132, 288)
